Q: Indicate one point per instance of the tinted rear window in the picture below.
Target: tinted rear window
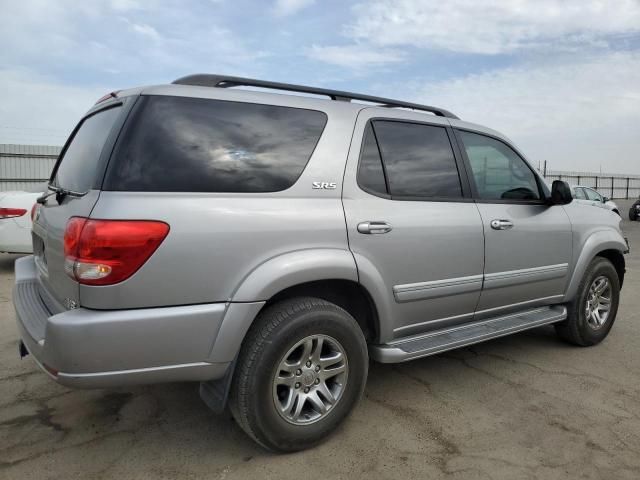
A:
(370, 172)
(178, 144)
(77, 169)
(419, 160)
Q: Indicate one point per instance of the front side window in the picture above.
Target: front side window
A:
(181, 144)
(579, 193)
(498, 171)
(418, 160)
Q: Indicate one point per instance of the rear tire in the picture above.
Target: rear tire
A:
(592, 312)
(301, 370)
(632, 214)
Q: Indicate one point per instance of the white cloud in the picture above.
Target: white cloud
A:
(355, 56)
(283, 8)
(124, 5)
(92, 38)
(38, 110)
(577, 115)
(147, 30)
(491, 26)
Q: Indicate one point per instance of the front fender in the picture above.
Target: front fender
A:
(595, 243)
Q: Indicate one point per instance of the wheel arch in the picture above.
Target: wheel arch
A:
(604, 243)
(330, 274)
(347, 294)
(617, 259)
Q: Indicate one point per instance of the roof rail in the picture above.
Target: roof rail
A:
(222, 81)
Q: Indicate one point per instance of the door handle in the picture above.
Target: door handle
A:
(499, 224)
(374, 227)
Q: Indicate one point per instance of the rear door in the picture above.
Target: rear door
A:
(80, 170)
(527, 241)
(415, 233)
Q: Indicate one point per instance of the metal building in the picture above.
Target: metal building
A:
(25, 167)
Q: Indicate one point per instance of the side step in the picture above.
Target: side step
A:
(459, 336)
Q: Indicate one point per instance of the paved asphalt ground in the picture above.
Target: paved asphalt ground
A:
(525, 406)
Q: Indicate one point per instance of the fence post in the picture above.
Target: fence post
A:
(596, 182)
(627, 195)
(611, 188)
(578, 179)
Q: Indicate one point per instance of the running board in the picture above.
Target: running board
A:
(475, 332)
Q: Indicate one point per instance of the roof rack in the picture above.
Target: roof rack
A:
(221, 81)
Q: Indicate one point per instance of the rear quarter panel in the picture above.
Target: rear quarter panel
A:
(217, 240)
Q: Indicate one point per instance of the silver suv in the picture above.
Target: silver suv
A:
(267, 245)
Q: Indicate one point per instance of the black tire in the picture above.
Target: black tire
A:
(576, 329)
(276, 330)
(632, 214)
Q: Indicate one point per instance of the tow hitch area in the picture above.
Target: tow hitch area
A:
(22, 350)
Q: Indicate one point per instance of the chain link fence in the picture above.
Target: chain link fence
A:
(609, 185)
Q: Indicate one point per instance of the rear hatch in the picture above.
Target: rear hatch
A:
(76, 177)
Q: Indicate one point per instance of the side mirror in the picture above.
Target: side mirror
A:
(560, 193)
(605, 199)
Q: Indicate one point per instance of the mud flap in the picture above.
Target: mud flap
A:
(22, 350)
(215, 393)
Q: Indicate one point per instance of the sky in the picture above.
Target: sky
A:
(560, 78)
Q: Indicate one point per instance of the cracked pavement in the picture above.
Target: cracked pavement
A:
(524, 406)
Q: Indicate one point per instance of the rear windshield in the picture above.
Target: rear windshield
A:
(179, 144)
(77, 169)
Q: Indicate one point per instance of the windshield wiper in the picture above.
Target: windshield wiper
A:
(60, 194)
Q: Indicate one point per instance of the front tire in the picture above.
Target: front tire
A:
(632, 214)
(301, 370)
(592, 312)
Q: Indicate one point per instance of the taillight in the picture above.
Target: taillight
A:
(104, 252)
(34, 211)
(12, 212)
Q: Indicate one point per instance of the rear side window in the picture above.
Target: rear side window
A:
(77, 169)
(179, 144)
(579, 193)
(370, 172)
(418, 160)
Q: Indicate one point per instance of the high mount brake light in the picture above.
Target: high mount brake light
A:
(12, 212)
(106, 97)
(105, 252)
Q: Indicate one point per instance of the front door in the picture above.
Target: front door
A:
(414, 231)
(527, 242)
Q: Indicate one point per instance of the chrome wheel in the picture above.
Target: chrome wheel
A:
(310, 379)
(598, 304)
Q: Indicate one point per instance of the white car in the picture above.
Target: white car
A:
(15, 221)
(591, 197)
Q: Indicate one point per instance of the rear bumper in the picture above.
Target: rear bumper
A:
(94, 349)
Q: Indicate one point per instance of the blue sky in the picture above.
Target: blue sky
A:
(562, 79)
